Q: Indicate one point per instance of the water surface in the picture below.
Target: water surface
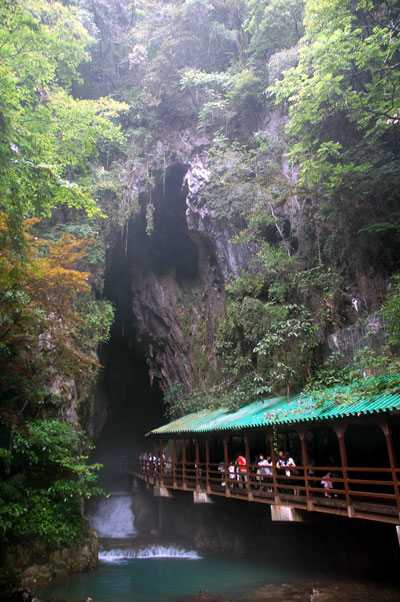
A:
(151, 578)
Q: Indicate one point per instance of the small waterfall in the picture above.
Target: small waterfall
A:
(114, 517)
(147, 552)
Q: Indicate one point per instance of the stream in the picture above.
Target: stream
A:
(136, 569)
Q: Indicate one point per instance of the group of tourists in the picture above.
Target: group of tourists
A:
(148, 460)
(237, 473)
(285, 465)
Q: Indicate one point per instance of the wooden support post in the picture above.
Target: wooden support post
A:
(302, 435)
(226, 462)
(184, 484)
(208, 488)
(174, 464)
(274, 475)
(248, 471)
(152, 463)
(197, 464)
(155, 463)
(161, 464)
(385, 426)
(340, 432)
(269, 480)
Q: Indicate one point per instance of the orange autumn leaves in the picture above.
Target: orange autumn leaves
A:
(40, 285)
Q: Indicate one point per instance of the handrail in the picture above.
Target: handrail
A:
(299, 488)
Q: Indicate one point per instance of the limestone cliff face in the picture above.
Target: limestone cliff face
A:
(232, 258)
(168, 286)
(174, 278)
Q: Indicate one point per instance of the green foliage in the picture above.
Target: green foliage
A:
(334, 372)
(281, 62)
(246, 284)
(272, 329)
(46, 135)
(241, 180)
(96, 320)
(46, 476)
(274, 25)
(272, 343)
(343, 99)
(175, 63)
(232, 96)
(391, 311)
(179, 400)
(50, 324)
(371, 374)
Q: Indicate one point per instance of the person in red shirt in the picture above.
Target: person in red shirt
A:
(241, 469)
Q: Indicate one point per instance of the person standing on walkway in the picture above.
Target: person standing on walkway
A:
(241, 469)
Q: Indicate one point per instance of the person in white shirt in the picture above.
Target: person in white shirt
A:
(290, 466)
(263, 470)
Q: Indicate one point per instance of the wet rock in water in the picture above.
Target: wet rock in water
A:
(62, 600)
(278, 592)
(205, 596)
(341, 591)
(22, 594)
(318, 596)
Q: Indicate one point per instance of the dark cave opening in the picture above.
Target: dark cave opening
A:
(128, 405)
(131, 405)
(171, 245)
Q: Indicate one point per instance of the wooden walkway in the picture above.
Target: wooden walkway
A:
(358, 492)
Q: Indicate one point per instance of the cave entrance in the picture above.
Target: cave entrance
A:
(128, 405)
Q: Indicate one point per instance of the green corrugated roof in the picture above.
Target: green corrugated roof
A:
(281, 410)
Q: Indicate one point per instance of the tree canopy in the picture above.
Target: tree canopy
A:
(46, 135)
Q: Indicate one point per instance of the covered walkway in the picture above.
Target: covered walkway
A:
(355, 443)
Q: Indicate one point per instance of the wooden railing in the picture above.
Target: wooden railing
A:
(357, 492)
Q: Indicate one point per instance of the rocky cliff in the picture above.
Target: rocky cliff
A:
(169, 285)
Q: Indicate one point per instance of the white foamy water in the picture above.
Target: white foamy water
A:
(148, 552)
(114, 517)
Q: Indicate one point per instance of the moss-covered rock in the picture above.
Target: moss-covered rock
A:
(80, 557)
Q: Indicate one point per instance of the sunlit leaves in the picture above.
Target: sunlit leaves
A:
(345, 88)
(45, 135)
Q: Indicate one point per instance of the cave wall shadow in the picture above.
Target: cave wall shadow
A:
(128, 406)
(133, 406)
